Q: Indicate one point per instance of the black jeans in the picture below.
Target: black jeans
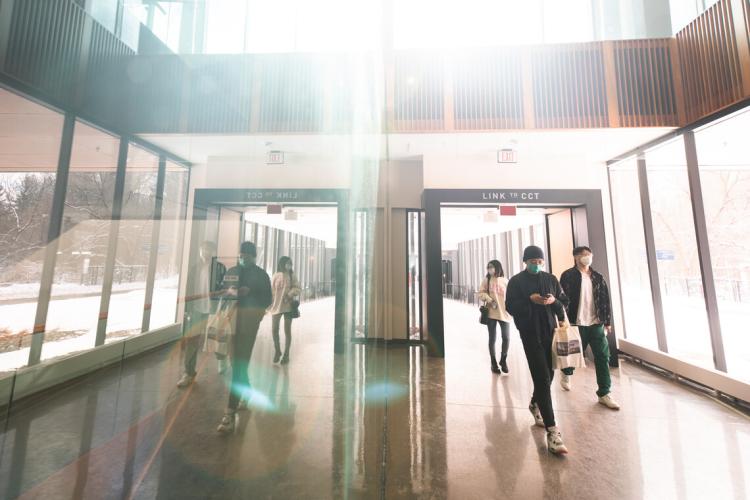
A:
(243, 341)
(275, 324)
(504, 333)
(538, 349)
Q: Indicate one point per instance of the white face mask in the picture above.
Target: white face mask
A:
(586, 260)
(491, 271)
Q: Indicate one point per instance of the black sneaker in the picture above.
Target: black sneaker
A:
(494, 368)
(276, 357)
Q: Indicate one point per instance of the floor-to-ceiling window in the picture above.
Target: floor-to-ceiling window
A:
(684, 306)
(73, 313)
(133, 250)
(29, 151)
(692, 236)
(635, 286)
(724, 163)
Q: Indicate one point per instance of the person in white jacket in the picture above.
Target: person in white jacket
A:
(492, 293)
(286, 289)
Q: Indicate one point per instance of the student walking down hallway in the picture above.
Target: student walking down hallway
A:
(492, 294)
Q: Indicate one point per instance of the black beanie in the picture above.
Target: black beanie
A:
(532, 252)
(248, 247)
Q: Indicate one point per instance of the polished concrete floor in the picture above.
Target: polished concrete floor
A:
(374, 423)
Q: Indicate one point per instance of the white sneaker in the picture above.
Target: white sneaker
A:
(538, 420)
(555, 443)
(610, 403)
(227, 424)
(185, 380)
(565, 381)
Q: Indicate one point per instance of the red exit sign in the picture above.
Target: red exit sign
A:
(507, 156)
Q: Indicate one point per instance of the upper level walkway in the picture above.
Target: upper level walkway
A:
(373, 423)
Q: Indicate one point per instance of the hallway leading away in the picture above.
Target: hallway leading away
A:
(374, 423)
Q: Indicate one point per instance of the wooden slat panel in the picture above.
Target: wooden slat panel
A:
(711, 70)
(43, 45)
(645, 84)
(487, 90)
(418, 92)
(569, 89)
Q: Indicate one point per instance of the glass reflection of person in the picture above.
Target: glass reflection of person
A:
(286, 289)
(251, 287)
(203, 284)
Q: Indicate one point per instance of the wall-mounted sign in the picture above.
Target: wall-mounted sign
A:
(507, 156)
(508, 210)
(273, 209)
(274, 157)
(271, 195)
(665, 255)
(510, 195)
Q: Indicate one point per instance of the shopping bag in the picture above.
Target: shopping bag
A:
(567, 349)
(220, 328)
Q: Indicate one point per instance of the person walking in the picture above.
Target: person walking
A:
(590, 309)
(251, 287)
(534, 298)
(492, 293)
(286, 289)
(203, 283)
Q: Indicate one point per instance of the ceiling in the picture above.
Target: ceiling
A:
(315, 222)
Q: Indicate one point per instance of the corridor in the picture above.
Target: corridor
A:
(373, 423)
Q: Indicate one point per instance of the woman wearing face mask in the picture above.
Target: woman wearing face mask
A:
(285, 289)
(492, 293)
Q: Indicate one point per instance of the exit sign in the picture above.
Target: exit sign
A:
(507, 156)
(274, 157)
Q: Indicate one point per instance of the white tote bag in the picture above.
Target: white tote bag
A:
(567, 348)
(221, 327)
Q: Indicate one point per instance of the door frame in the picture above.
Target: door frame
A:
(211, 197)
(433, 200)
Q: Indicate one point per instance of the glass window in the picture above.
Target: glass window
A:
(724, 159)
(29, 150)
(104, 11)
(87, 219)
(685, 316)
(169, 255)
(125, 314)
(568, 22)
(635, 285)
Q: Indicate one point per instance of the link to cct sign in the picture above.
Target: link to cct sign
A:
(510, 196)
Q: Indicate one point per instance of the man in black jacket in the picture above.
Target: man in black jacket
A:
(534, 298)
(251, 287)
(203, 282)
(590, 309)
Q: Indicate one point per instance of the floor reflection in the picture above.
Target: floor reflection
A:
(374, 422)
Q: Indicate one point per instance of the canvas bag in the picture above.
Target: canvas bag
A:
(220, 327)
(567, 348)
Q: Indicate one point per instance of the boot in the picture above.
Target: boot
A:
(503, 364)
(493, 365)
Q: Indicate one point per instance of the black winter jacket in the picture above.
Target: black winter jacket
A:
(530, 317)
(571, 284)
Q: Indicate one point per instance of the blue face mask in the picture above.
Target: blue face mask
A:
(534, 268)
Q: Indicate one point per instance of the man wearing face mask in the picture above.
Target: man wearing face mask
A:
(251, 287)
(203, 283)
(590, 309)
(534, 298)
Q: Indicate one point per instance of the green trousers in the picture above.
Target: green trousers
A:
(595, 337)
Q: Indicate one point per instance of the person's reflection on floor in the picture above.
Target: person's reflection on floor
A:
(275, 425)
(507, 441)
